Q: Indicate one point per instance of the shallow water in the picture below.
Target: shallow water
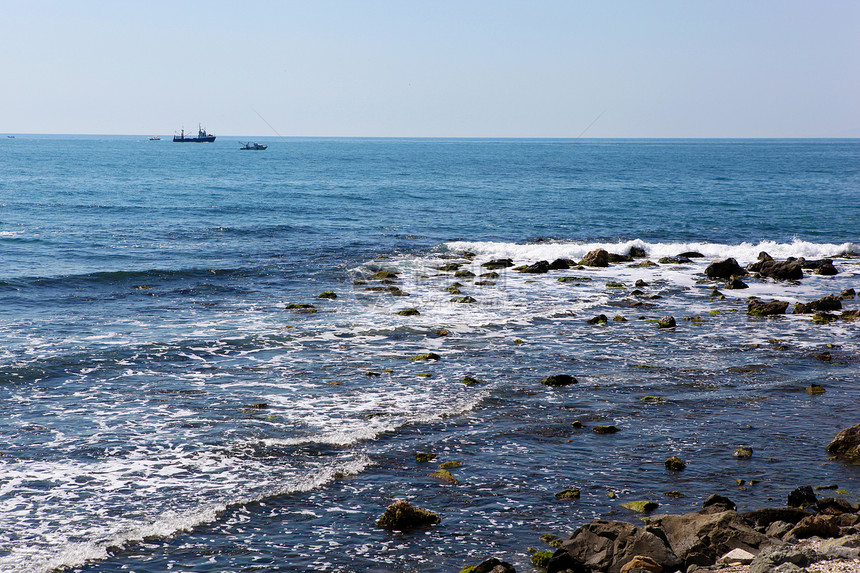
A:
(162, 409)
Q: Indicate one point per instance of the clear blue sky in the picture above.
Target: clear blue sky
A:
(685, 68)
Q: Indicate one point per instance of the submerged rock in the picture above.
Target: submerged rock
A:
(569, 493)
(641, 506)
(605, 429)
(445, 475)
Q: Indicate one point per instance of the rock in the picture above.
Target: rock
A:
(829, 302)
(761, 308)
(736, 284)
(815, 389)
(717, 503)
(299, 306)
(469, 381)
(561, 264)
(490, 275)
(771, 558)
(640, 284)
(674, 260)
(464, 274)
(824, 526)
(327, 294)
(768, 516)
(743, 452)
(569, 493)
(537, 268)
(450, 267)
(540, 559)
(596, 258)
(737, 556)
(724, 269)
(498, 264)
(445, 475)
(675, 464)
(402, 517)
(846, 443)
(605, 429)
(802, 497)
(463, 299)
(642, 563)
(824, 318)
(381, 275)
(637, 252)
(491, 565)
(847, 293)
(827, 269)
(616, 258)
(834, 506)
(451, 464)
(850, 314)
(778, 529)
(577, 425)
(426, 356)
(599, 319)
(609, 545)
(700, 538)
(784, 270)
(666, 322)
(559, 380)
(408, 312)
(691, 255)
(641, 506)
(422, 457)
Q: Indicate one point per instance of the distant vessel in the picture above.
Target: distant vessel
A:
(254, 145)
(155, 138)
(202, 137)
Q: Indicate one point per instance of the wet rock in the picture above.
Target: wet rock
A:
(599, 319)
(561, 264)
(644, 264)
(824, 318)
(640, 284)
(539, 267)
(463, 299)
(717, 503)
(464, 274)
(691, 255)
(641, 506)
(846, 443)
(637, 252)
(724, 269)
(401, 516)
(445, 475)
(425, 356)
(327, 294)
(381, 275)
(778, 270)
(743, 452)
(578, 425)
(815, 389)
(299, 306)
(834, 506)
(616, 258)
(674, 261)
(829, 302)
(675, 464)
(491, 565)
(469, 381)
(559, 380)
(848, 293)
(448, 268)
(827, 269)
(498, 264)
(605, 429)
(760, 308)
(422, 457)
(408, 312)
(666, 322)
(609, 545)
(490, 275)
(568, 493)
(736, 284)
(802, 497)
(541, 559)
(596, 258)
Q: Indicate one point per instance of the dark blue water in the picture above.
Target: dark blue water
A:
(144, 288)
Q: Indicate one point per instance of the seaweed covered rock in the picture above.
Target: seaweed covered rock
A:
(724, 269)
(539, 267)
(491, 565)
(760, 308)
(846, 443)
(402, 517)
(498, 264)
(559, 380)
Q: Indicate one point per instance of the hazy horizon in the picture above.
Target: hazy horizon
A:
(620, 69)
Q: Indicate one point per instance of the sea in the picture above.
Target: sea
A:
(175, 395)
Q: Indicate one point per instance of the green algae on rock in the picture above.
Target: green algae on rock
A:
(445, 475)
(641, 506)
(675, 464)
(568, 493)
(422, 457)
(401, 516)
(425, 356)
(327, 294)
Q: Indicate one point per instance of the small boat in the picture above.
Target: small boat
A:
(155, 138)
(202, 137)
(254, 145)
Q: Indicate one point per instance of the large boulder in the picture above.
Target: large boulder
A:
(829, 302)
(610, 545)
(596, 258)
(846, 443)
(725, 269)
(702, 538)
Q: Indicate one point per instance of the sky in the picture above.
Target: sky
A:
(403, 68)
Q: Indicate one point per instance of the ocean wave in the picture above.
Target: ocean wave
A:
(745, 252)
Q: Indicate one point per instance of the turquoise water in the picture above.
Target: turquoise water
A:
(143, 295)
